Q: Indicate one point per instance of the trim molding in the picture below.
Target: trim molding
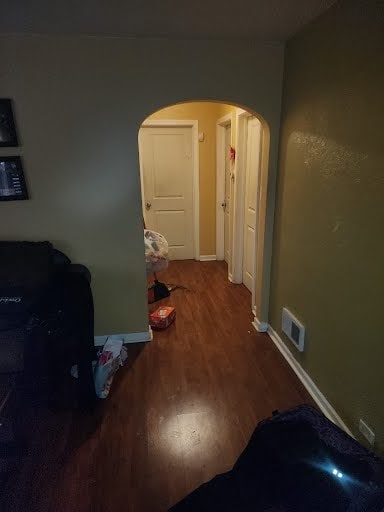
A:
(260, 326)
(208, 257)
(308, 383)
(221, 125)
(131, 337)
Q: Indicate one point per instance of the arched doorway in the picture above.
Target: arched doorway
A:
(213, 221)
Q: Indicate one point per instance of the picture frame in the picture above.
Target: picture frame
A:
(8, 134)
(12, 181)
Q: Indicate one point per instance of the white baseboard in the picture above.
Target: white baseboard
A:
(208, 257)
(230, 278)
(260, 326)
(308, 383)
(131, 337)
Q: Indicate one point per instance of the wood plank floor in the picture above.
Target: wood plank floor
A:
(181, 411)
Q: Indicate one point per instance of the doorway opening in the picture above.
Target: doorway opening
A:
(169, 174)
(201, 169)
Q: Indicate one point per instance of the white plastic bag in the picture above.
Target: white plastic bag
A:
(156, 251)
(110, 360)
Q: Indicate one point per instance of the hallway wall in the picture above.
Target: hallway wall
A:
(79, 102)
(328, 244)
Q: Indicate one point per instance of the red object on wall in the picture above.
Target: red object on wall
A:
(232, 153)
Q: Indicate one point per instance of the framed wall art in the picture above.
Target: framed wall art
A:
(8, 135)
(12, 181)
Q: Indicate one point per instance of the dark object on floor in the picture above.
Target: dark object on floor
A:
(157, 292)
(296, 461)
(46, 317)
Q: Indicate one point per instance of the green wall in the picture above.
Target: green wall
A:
(79, 102)
(328, 252)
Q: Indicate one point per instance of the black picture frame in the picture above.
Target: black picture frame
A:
(8, 134)
(12, 181)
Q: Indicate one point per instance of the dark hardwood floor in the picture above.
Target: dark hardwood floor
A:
(180, 411)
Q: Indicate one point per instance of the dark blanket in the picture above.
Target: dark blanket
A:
(289, 466)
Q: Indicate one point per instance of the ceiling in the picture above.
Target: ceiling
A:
(271, 20)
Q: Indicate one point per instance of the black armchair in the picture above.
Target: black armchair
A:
(46, 317)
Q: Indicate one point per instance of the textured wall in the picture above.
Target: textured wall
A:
(328, 244)
(79, 103)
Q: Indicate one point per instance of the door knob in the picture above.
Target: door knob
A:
(148, 205)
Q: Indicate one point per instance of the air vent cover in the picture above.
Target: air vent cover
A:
(294, 329)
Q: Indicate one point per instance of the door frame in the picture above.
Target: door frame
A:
(180, 123)
(221, 125)
(242, 117)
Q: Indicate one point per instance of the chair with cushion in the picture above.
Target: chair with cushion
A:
(46, 317)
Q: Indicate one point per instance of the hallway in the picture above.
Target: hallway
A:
(181, 411)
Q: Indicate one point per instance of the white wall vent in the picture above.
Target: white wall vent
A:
(294, 329)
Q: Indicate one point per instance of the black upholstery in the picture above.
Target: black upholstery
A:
(46, 316)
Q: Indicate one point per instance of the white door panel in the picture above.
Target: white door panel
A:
(171, 224)
(170, 150)
(251, 187)
(166, 159)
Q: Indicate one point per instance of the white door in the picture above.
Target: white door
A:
(227, 197)
(166, 160)
(251, 186)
